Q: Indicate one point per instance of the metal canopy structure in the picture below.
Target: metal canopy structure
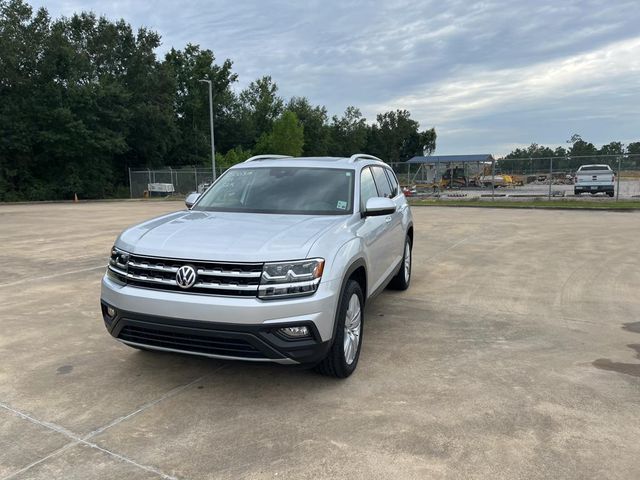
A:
(435, 159)
(433, 175)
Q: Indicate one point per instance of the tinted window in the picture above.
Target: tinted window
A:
(392, 180)
(303, 191)
(384, 189)
(367, 187)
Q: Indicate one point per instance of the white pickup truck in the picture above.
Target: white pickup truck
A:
(593, 179)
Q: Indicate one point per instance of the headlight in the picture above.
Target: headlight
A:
(118, 264)
(290, 279)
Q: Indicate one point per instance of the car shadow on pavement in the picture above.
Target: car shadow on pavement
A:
(632, 369)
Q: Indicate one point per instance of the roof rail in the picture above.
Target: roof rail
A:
(362, 156)
(266, 157)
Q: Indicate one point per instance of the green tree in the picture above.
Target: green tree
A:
(84, 98)
(396, 137)
(191, 102)
(260, 105)
(539, 159)
(426, 142)
(612, 148)
(560, 152)
(22, 36)
(633, 162)
(579, 147)
(633, 148)
(232, 157)
(285, 138)
(348, 133)
(314, 121)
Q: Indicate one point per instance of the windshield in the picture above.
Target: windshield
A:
(289, 190)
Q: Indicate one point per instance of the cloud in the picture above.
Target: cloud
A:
(584, 90)
(486, 74)
(610, 69)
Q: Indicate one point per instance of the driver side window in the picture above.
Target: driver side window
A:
(367, 187)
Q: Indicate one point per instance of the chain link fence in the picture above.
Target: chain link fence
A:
(549, 177)
(501, 178)
(170, 181)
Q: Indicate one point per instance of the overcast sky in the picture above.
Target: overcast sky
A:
(489, 76)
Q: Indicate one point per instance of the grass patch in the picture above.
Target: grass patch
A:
(535, 203)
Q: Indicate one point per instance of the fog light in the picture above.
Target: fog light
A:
(108, 313)
(295, 332)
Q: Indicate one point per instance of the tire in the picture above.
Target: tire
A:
(403, 278)
(342, 359)
(611, 194)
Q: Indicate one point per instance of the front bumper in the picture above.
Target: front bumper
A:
(221, 327)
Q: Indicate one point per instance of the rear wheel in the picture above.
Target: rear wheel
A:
(342, 359)
(403, 278)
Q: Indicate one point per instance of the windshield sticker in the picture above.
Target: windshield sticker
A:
(348, 174)
(342, 205)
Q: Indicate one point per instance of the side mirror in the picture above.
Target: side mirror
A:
(377, 206)
(191, 199)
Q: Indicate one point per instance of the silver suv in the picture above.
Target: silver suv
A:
(274, 262)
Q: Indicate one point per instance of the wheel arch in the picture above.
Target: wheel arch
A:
(358, 270)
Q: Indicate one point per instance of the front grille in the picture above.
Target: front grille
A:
(212, 278)
(208, 343)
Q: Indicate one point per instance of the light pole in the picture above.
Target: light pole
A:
(213, 148)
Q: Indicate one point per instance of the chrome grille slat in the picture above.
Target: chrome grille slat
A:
(144, 278)
(213, 278)
(228, 273)
(118, 271)
(159, 268)
(222, 286)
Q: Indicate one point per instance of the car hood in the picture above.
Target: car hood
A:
(222, 236)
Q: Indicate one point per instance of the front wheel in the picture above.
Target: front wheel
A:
(342, 359)
(403, 278)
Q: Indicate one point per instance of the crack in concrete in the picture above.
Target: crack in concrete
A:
(84, 440)
(47, 277)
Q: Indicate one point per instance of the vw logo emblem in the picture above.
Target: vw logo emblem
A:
(186, 276)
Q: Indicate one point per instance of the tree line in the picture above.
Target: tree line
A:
(578, 153)
(85, 98)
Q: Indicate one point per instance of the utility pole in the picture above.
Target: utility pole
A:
(550, 176)
(213, 148)
(618, 179)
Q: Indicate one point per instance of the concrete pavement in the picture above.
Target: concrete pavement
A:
(514, 354)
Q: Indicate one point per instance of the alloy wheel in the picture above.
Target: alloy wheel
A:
(352, 329)
(407, 262)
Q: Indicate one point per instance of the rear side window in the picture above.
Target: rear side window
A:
(384, 189)
(367, 187)
(392, 181)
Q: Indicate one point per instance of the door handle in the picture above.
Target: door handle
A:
(388, 219)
